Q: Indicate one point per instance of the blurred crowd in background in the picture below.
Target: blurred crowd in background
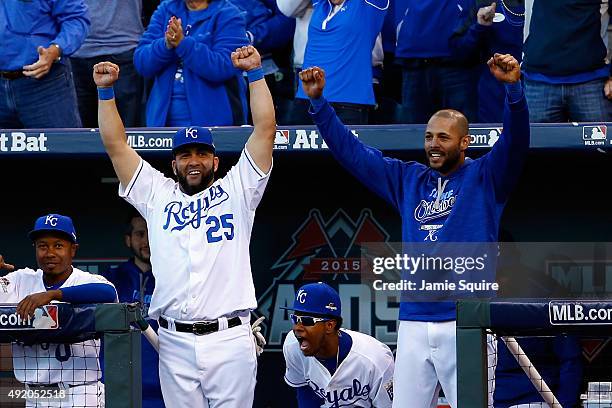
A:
(386, 61)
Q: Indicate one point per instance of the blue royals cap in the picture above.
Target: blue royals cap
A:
(54, 222)
(193, 135)
(317, 298)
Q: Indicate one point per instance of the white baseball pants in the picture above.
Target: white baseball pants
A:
(216, 370)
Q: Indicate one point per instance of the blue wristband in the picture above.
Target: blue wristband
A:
(255, 74)
(105, 94)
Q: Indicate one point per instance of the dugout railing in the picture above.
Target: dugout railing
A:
(516, 317)
(116, 324)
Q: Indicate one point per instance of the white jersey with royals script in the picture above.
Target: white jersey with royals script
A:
(199, 243)
(364, 379)
(49, 363)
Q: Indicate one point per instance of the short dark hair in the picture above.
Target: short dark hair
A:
(459, 118)
(129, 228)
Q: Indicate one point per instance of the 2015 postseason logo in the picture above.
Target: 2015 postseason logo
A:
(45, 317)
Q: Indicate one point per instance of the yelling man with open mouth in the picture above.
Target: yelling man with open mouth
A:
(333, 367)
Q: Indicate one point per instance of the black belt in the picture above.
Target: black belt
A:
(11, 74)
(200, 328)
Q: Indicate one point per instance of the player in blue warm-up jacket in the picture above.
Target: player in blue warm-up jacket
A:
(465, 199)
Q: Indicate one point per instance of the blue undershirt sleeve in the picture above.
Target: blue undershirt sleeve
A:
(89, 293)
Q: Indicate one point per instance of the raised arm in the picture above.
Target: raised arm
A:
(125, 159)
(261, 141)
(505, 161)
(382, 175)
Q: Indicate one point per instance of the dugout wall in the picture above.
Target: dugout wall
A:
(309, 198)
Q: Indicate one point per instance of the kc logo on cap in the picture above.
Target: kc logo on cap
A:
(51, 220)
(318, 299)
(193, 135)
(191, 132)
(54, 222)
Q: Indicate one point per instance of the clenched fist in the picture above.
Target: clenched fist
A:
(313, 82)
(105, 74)
(505, 68)
(246, 58)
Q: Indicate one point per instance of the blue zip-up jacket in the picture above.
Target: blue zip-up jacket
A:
(134, 286)
(470, 203)
(425, 26)
(557, 359)
(216, 93)
(26, 25)
(270, 29)
(478, 42)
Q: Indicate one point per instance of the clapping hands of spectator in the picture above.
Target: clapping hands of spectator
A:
(174, 32)
(505, 68)
(608, 88)
(246, 58)
(46, 58)
(485, 15)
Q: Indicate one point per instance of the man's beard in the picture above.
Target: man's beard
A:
(451, 161)
(207, 180)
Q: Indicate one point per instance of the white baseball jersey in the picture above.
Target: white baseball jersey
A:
(364, 378)
(75, 363)
(199, 243)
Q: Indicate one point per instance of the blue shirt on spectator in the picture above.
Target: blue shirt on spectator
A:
(564, 44)
(215, 90)
(26, 25)
(340, 40)
(133, 285)
(425, 26)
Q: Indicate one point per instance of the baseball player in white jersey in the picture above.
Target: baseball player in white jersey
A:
(73, 368)
(199, 233)
(332, 367)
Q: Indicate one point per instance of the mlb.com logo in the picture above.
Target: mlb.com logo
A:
(484, 137)
(594, 135)
(281, 139)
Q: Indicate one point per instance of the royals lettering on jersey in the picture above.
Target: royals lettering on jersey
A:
(179, 216)
(74, 363)
(200, 243)
(363, 380)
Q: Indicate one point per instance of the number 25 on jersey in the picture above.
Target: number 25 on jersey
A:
(219, 228)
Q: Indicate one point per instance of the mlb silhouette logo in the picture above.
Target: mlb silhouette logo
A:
(595, 132)
(46, 317)
(281, 137)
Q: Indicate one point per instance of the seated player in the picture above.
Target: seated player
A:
(330, 366)
(71, 367)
